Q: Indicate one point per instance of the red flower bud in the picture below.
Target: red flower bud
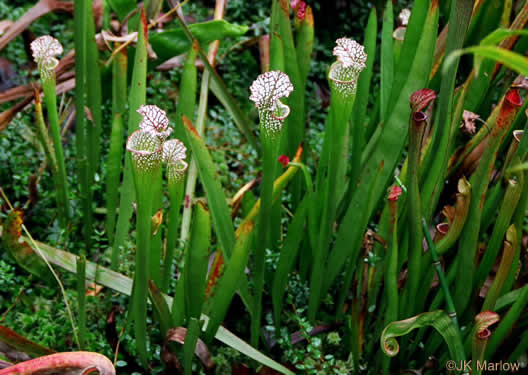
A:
(284, 160)
(395, 193)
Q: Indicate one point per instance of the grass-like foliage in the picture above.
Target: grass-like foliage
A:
(394, 241)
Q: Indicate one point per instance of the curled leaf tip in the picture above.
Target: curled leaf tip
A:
(154, 120)
(44, 50)
(420, 99)
(395, 193)
(146, 150)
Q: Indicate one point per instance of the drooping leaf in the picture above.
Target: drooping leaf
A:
(512, 60)
(499, 35)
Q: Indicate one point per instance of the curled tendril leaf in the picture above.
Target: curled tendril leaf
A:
(44, 50)
(266, 92)
(174, 153)
(154, 120)
(351, 59)
(439, 320)
(146, 150)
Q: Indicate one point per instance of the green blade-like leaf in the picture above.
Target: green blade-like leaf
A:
(191, 338)
(187, 98)
(94, 95)
(411, 46)
(305, 42)
(229, 282)
(115, 154)
(216, 199)
(218, 88)
(81, 301)
(499, 35)
(507, 322)
(512, 60)
(387, 59)
(288, 254)
(196, 262)
(360, 107)
(137, 97)
(161, 307)
(174, 42)
(122, 7)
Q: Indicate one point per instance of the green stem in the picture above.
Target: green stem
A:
(441, 276)
(193, 169)
(509, 249)
(479, 182)
(50, 99)
(81, 299)
(137, 97)
(451, 311)
(144, 193)
(340, 111)
(391, 276)
(507, 322)
(176, 198)
(416, 131)
(115, 154)
(511, 198)
(270, 151)
(42, 133)
(81, 27)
